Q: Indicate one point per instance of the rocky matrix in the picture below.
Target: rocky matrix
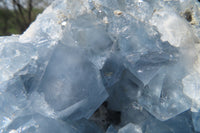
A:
(104, 66)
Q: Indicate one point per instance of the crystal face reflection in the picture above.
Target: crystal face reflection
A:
(104, 66)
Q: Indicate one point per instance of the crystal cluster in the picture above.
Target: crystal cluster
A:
(104, 66)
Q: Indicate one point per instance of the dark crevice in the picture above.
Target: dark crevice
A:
(188, 16)
(105, 117)
(114, 117)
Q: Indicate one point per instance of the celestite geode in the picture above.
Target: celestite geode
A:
(96, 66)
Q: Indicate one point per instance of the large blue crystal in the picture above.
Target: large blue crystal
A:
(94, 66)
(71, 84)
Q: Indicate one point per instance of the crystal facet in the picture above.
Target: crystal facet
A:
(96, 66)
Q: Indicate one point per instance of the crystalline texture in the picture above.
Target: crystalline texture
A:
(130, 128)
(191, 86)
(71, 83)
(180, 123)
(36, 123)
(12, 101)
(111, 129)
(162, 102)
(141, 57)
(14, 57)
(196, 120)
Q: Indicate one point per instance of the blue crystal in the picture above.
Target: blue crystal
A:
(130, 128)
(71, 83)
(111, 129)
(139, 58)
(196, 121)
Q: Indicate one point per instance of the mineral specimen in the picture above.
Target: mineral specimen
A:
(96, 66)
(130, 128)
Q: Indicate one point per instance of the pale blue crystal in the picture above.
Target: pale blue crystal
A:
(35, 123)
(71, 83)
(139, 56)
(12, 101)
(180, 124)
(112, 70)
(111, 129)
(134, 113)
(130, 128)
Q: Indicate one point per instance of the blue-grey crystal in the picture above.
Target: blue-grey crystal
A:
(71, 83)
(111, 129)
(94, 66)
(161, 102)
(35, 123)
(196, 120)
(181, 123)
(130, 128)
(126, 91)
